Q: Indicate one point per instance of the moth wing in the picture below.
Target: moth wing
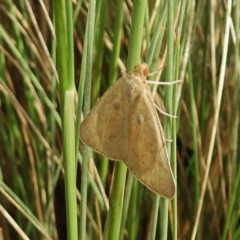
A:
(147, 155)
(105, 128)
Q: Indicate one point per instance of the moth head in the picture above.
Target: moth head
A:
(141, 69)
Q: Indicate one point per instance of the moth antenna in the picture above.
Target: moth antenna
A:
(154, 72)
(164, 113)
(123, 72)
(163, 83)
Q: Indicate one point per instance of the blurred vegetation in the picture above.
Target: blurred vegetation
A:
(33, 103)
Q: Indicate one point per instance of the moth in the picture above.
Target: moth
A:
(124, 125)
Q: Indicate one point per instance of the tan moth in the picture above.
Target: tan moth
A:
(124, 125)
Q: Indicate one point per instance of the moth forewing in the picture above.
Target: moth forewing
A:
(103, 128)
(147, 156)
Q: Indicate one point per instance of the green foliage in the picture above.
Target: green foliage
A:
(50, 184)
